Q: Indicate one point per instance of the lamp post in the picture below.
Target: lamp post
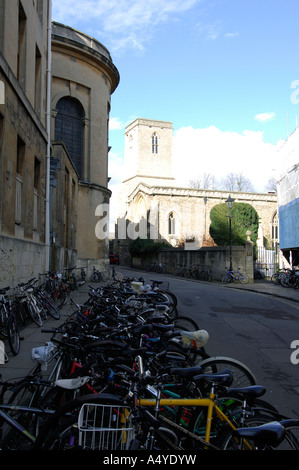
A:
(229, 202)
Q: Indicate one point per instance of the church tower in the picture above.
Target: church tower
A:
(148, 163)
(148, 151)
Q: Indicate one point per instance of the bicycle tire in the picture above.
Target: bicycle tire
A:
(97, 277)
(3, 329)
(13, 335)
(290, 441)
(170, 295)
(285, 280)
(185, 324)
(242, 375)
(275, 278)
(59, 297)
(51, 308)
(34, 314)
(226, 279)
(243, 278)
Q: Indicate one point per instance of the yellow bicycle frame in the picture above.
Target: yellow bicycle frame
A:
(209, 403)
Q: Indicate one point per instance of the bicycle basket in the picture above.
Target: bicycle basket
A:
(104, 427)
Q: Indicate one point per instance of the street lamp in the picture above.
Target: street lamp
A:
(229, 202)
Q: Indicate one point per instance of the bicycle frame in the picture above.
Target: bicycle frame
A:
(209, 403)
(15, 424)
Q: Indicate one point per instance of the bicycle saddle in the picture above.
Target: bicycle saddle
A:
(270, 434)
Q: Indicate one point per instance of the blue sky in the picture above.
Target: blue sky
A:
(221, 71)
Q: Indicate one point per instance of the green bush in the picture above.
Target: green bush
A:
(244, 217)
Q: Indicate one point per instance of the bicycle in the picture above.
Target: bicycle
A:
(21, 421)
(30, 302)
(97, 276)
(235, 276)
(276, 277)
(48, 307)
(58, 288)
(9, 328)
(110, 422)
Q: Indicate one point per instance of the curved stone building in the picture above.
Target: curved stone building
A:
(55, 90)
(83, 80)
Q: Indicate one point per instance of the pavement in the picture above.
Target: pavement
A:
(33, 336)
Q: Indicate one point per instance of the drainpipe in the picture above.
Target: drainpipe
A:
(48, 128)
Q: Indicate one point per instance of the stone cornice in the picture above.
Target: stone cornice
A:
(202, 193)
(149, 123)
(90, 185)
(85, 45)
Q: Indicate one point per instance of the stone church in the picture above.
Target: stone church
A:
(152, 205)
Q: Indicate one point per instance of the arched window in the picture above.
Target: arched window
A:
(69, 129)
(171, 224)
(155, 142)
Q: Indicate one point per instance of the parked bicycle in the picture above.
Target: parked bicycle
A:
(97, 276)
(290, 278)
(9, 328)
(139, 420)
(121, 353)
(235, 276)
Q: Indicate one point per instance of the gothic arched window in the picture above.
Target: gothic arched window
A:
(155, 142)
(171, 224)
(69, 129)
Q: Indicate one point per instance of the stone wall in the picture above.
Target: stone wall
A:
(217, 257)
(20, 260)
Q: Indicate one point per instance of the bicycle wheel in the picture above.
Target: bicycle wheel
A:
(59, 297)
(185, 324)
(226, 279)
(170, 296)
(242, 375)
(285, 280)
(34, 314)
(275, 278)
(96, 277)
(13, 335)
(227, 441)
(51, 308)
(243, 278)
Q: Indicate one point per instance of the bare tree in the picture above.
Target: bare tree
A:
(271, 185)
(204, 181)
(237, 182)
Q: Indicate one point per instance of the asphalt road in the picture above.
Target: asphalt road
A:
(254, 328)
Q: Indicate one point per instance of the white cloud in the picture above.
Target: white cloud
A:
(210, 31)
(232, 35)
(123, 24)
(115, 124)
(210, 150)
(262, 117)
